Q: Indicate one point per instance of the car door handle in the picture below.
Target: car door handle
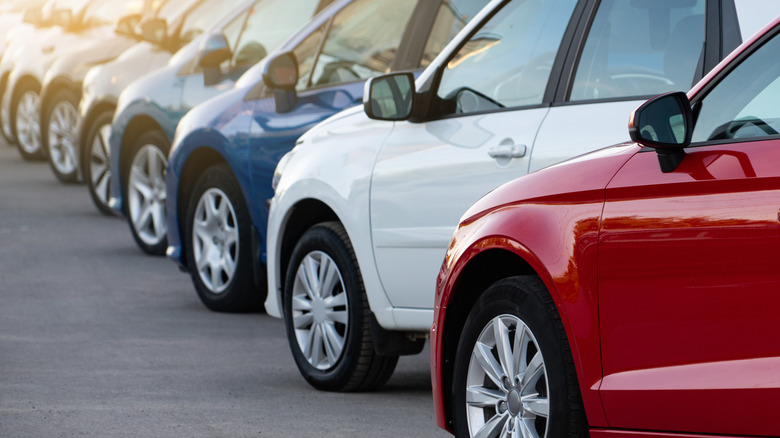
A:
(507, 151)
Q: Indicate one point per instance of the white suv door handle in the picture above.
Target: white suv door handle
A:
(507, 151)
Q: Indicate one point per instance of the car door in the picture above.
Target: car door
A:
(631, 51)
(689, 284)
(364, 39)
(427, 174)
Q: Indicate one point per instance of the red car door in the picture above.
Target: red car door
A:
(689, 291)
(689, 269)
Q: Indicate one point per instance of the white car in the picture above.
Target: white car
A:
(366, 203)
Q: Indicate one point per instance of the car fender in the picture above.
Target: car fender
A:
(332, 165)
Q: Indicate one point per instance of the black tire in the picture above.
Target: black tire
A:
(28, 139)
(228, 236)
(356, 367)
(62, 150)
(95, 162)
(521, 301)
(146, 214)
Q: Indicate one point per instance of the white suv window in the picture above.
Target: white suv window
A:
(754, 15)
(507, 63)
(640, 48)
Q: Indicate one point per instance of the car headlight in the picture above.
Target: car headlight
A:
(280, 169)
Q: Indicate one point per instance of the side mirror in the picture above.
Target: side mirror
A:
(389, 97)
(664, 123)
(212, 52)
(62, 18)
(127, 24)
(280, 74)
(154, 30)
(33, 16)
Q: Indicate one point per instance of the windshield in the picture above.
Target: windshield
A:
(171, 9)
(21, 5)
(102, 12)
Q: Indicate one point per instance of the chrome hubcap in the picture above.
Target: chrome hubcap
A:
(146, 194)
(506, 384)
(99, 169)
(62, 137)
(28, 123)
(320, 310)
(215, 240)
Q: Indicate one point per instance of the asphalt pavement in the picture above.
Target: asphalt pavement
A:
(99, 339)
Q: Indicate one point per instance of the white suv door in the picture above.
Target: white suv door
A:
(427, 174)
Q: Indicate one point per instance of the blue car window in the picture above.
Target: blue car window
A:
(507, 63)
(450, 19)
(362, 41)
(269, 24)
(640, 48)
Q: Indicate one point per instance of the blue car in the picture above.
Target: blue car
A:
(149, 109)
(225, 151)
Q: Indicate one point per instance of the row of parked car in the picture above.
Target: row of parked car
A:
(628, 291)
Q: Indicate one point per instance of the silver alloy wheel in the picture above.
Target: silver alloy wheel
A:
(100, 170)
(506, 384)
(215, 240)
(320, 310)
(62, 137)
(28, 122)
(146, 194)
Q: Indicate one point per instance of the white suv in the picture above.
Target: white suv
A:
(366, 203)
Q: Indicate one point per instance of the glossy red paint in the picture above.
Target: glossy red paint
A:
(667, 283)
(689, 289)
(562, 200)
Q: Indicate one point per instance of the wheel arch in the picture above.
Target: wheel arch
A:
(52, 88)
(132, 132)
(475, 277)
(86, 126)
(301, 216)
(200, 159)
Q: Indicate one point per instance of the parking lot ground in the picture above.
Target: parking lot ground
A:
(98, 339)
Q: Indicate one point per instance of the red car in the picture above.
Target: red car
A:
(635, 291)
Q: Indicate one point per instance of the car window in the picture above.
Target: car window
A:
(269, 24)
(755, 14)
(507, 63)
(199, 19)
(640, 48)
(361, 42)
(110, 11)
(744, 103)
(450, 19)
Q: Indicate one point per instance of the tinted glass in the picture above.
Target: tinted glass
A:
(507, 63)
(744, 104)
(306, 53)
(362, 41)
(269, 24)
(109, 11)
(640, 48)
(451, 18)
(201, 18)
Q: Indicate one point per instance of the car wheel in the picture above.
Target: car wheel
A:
(514, 375)
(60, 135)
(146, 192)
(25, 120)
(96, 165)
(326, 314)
(218, 251)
